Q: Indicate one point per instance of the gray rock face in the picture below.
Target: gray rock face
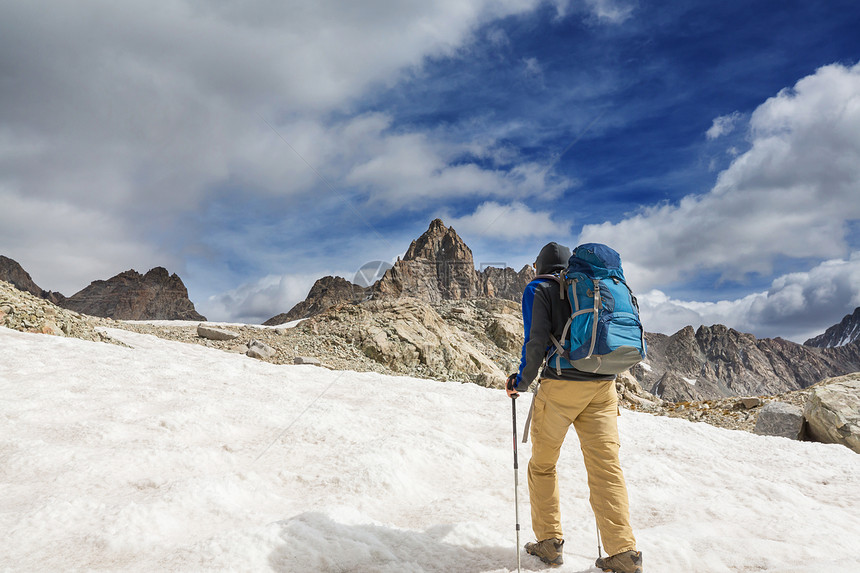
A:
(23, 311)
(780, 419)
(506, 283)
(437, 267)
(260, 350)
(846, 332)
(716, 361)
(12, 272)
(326, 293)
(157, 295)
(409, 336)
(833, 412)
(212, 333)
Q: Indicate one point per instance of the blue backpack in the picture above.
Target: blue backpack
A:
(603, 334)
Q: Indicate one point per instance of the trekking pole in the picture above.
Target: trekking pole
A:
(516, 479)
(596, 526)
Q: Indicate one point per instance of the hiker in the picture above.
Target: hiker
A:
(569, 396)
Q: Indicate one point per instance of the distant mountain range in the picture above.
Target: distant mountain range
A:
(437, 266)
(709, 362)
(846, 332)
(437, 270)
(156, 295)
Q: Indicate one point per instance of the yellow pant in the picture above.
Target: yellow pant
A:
(592, 408)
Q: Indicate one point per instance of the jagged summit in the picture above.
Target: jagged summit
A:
(326, 292)
(156, 295)
(846, 332)
(438, 266)
(439, 243)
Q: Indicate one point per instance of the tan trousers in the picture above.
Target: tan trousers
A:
(592, 408)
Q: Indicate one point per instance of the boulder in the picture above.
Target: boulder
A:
(260, 350)
(306, 360)
(212, 333)
(833, 411)
(780, 419)
(750, 402)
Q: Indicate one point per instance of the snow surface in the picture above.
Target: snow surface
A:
(176, 457)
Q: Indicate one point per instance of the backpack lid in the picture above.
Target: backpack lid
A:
(595, 259)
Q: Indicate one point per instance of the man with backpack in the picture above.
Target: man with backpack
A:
(585, 398)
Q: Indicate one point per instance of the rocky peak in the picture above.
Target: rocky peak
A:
(846, 332)
(716, 361)
(326, 292)
(156, 295)
(439, 243)
(14, 273)
(438, 266)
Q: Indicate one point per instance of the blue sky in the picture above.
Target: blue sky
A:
(253, 147)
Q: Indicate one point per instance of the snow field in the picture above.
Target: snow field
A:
(175, 457)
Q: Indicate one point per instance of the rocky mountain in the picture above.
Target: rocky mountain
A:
(14, 273)
(326, 293)
(717, 361)
(438, 266)
(846, 332)
(156, 295)
(433, 314)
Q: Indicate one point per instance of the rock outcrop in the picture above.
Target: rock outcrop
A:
(846, 332)
(780, 419)
(156, 295)
(833, 411)
(438, 266)
(326, 293)
(410, 336)
(717, 361)
(14, 273)
(23, 311)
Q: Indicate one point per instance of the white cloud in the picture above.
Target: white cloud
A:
(797, 306)
(514, 221)
(77, 244)
(610, 11)
(789, 195)
(134, 113)
(253, 303)
(533, 67)
(723, 125)
(412, 169)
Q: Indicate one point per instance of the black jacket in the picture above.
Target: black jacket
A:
(545, 312)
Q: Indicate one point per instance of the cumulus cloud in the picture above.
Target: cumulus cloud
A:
(789, 196)
(795, 306)
(252, 303)
(137, 115)
(723, 125)
(514, 220)
(88, 244)
(604, 11)
(412, 169)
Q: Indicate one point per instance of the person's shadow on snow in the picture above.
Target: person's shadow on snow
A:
(313, 542)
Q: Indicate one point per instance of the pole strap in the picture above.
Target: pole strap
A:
(529, 417)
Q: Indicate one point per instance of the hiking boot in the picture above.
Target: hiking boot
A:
(548, 550)
(627, 562)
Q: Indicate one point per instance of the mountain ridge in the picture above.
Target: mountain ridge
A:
(845, 332)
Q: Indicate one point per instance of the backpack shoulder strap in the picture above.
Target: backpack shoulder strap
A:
(559, 278)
